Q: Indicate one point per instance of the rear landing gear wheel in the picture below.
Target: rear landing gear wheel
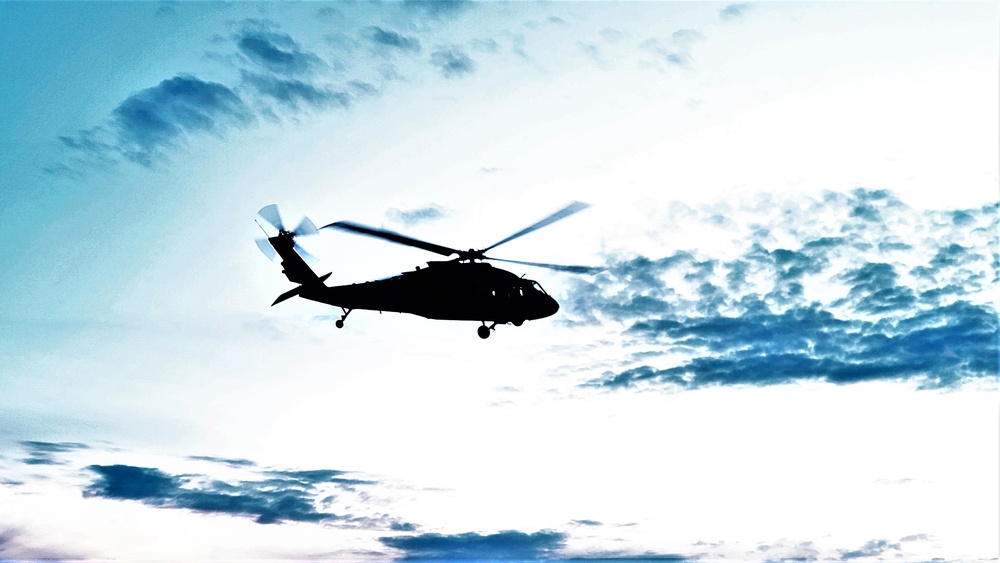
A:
(484, 332)
(340, 321)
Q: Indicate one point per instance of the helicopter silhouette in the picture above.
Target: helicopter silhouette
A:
(465, 288)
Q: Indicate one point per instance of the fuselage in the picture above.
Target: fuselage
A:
(460, 291)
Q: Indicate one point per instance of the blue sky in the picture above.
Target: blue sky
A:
(791, 351)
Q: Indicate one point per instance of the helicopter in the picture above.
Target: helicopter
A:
(465, 288)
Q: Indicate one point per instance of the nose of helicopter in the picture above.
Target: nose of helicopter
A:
(550, 306)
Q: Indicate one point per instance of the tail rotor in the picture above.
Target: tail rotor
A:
(272, 217)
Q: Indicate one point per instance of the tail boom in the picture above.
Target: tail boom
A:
(294, 267)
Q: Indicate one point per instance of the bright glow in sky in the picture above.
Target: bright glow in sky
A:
(791, 351)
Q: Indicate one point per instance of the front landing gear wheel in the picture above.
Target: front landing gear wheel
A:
(484, 332)
(340, 323)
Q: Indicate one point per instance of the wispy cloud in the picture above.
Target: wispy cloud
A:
(294, 93)
(674, 57)
(873, 548)
(488, 45)
(231, 462)
(548, 21)
(276, 52)
(686, 36)
(46, 453)
(395, 41)
(784, 551)
(673, 51)
(437, 9)
(734, 11)
(166, 10)
(16, 545)
(150, 122)
(843, 300)
(453, 62)
(410, 217)
(507, 544)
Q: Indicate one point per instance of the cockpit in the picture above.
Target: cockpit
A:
(536, 286)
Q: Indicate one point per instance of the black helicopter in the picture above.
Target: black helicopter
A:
(461, 289)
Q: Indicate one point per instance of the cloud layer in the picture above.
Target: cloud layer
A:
(279, 78)
(846, 289)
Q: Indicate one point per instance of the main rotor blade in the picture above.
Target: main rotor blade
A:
(271, 215)
(561, 214)
(556, 267)
(392, 237)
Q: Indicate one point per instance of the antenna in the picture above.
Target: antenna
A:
(261, 228)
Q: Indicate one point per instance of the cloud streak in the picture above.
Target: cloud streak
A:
(509, 544)
(281, 496)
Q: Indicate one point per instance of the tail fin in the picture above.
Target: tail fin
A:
(295, 268)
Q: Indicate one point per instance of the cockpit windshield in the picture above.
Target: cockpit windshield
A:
(538, 287)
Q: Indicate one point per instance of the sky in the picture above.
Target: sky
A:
(790, 350)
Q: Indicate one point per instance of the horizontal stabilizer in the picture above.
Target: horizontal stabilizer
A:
(293, 292)
(287, 295)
